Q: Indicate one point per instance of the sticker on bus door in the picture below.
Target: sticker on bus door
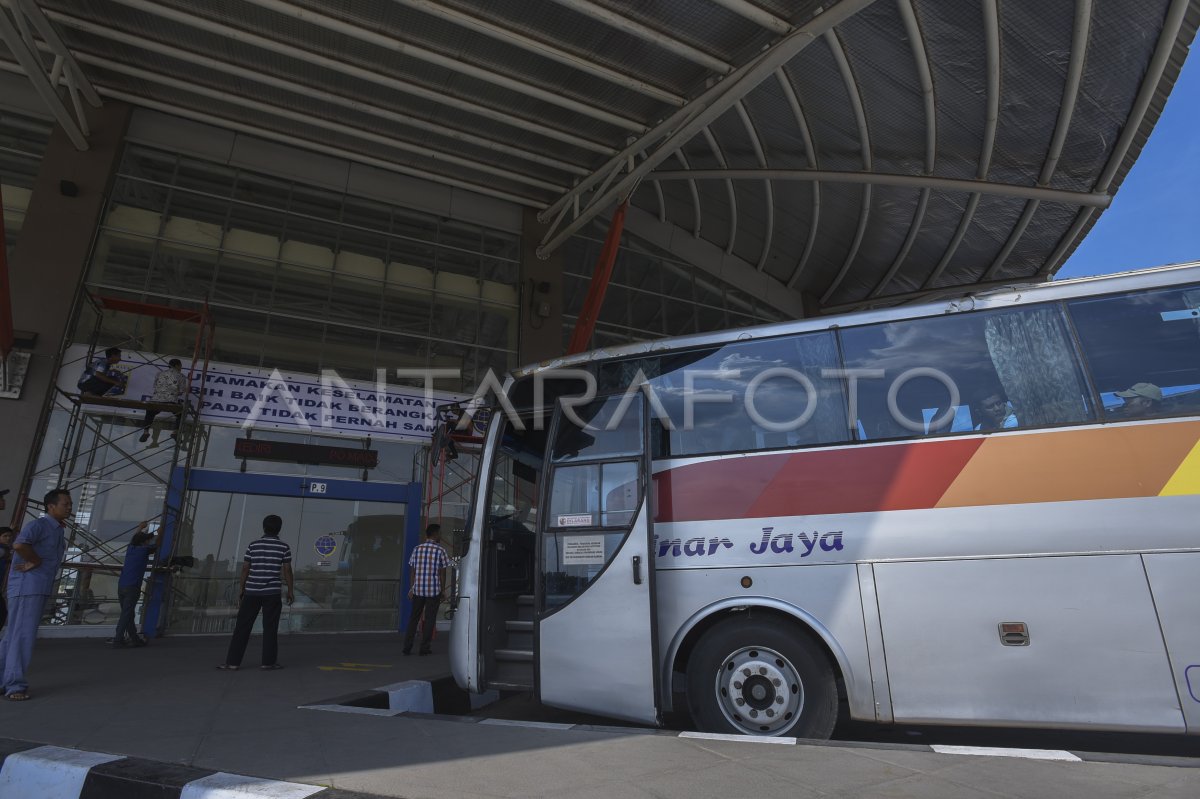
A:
(574, 520)
(583, 550)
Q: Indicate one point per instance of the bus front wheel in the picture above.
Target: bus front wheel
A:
(760, 677)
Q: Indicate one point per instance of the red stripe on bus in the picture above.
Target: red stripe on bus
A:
(852, 480)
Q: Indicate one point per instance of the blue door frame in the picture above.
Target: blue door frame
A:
(277, 485)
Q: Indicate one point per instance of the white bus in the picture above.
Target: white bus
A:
(981, 511)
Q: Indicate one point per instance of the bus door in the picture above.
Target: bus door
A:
(595, 621)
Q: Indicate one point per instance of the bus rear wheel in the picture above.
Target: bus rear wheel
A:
(756, 677)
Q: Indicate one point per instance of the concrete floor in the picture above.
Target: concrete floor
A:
(168, 702)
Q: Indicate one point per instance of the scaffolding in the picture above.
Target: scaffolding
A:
(99, 455)
(451, 466)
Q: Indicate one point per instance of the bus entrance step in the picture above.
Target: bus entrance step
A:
(525, 607)
(512, 675)
(520, 634)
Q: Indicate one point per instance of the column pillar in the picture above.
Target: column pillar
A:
(540, 333)
(46, 269)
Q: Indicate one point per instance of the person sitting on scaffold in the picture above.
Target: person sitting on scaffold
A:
(101, 377)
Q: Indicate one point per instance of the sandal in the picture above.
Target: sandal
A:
(272, 667)
(17, 696)
(227, 667)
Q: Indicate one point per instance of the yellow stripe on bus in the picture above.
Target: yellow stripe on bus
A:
(1186, 479)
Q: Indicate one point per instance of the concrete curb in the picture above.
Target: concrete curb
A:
(440, 697)
(33, 770)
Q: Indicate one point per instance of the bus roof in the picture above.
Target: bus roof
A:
(1015, 294)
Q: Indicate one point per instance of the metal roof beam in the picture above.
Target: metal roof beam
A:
(15, 33)
(526, 126)
(389, 42)
(711, 259)
(675, 131)
(57, 46)
(761, 157)
(1070, 97)
(860, 117)
(729, 191)
(301, 118)
(544, 49)
(258, 76)
(1091, 199)
(1176, 14)
(912, 30)
(647, 34)
(810, 151)
(305, 144)
(757, 15)
(991, 32)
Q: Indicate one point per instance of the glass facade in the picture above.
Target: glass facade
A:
(304, 279)
(299, 279)
(352, 583)
(652, 295)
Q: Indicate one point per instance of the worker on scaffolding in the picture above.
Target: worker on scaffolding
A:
(101, 376)
(170, 386)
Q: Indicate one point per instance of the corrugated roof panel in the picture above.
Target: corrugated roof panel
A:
(984, 239)
(1040, 237)
(605, 45)
(1116, 36)
(943, 213)
(886, 74)
(706, 26)
(822, 94)
(1035, 47)
(410, 27)
(954, 39)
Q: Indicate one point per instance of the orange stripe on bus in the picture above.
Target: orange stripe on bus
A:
(1064, 465)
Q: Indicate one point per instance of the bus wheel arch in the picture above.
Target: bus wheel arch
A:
(796, 669)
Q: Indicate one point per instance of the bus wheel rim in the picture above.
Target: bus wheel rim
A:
(759, 691)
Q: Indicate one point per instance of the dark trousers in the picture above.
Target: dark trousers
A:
(149, 420)
(126, 626)
(426, 606)
(271, 606)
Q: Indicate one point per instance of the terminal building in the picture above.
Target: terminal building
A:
(314, 207)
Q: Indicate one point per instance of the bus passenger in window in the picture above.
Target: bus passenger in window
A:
(1141, 399)
(995, 413)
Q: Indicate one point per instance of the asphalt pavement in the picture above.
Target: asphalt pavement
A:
(167, 702)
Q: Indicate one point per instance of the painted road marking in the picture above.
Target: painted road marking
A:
(995, 751)
(356, 667)
(741, 739)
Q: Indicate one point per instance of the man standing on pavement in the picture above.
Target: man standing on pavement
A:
(267, 559)
(37, 556)
(426, 578)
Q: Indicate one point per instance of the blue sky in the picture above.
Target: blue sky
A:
(1155, 218)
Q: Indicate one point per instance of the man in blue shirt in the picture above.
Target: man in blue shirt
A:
(37, 557)
(129, 586)
(100, 376)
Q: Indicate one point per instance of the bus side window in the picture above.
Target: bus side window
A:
(1143, 351)
(985, 372)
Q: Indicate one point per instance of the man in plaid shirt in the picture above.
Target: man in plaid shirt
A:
(426, 579)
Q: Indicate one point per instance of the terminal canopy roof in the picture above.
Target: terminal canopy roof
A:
(825, 154)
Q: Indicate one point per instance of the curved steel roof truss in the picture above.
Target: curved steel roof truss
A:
(572, 109)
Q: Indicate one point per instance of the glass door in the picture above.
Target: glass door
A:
(595, 597)
(348, 542)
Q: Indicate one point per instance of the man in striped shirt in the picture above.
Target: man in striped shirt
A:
(426, 578)
(267, 559)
